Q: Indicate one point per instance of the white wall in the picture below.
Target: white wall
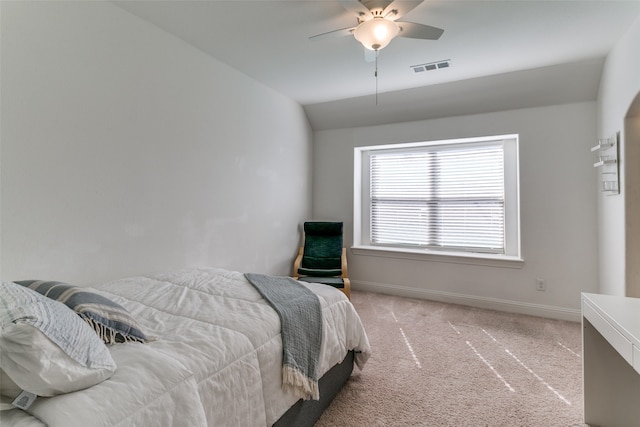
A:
(619, 85)
(125, 151)
(558, 211)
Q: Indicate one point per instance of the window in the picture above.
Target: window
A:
(453, 197)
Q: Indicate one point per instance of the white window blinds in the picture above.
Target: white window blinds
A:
(449, 197)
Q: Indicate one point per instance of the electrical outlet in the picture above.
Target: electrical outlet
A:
(541, 285)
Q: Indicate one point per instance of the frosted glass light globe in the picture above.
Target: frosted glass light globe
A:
(376, 33)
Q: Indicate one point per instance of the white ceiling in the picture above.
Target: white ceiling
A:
(504, 54)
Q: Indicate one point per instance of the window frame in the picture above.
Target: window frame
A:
(361, 239)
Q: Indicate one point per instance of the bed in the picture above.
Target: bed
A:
(213, 357)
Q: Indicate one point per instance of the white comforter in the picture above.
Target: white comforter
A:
(216, 361)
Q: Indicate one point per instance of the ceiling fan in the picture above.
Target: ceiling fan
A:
(377, 23)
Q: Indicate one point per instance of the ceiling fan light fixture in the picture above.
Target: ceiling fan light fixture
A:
(376, 33)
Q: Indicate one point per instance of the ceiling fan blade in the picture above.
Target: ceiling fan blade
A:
(419, 31)
(333, 34)
(359, 9)
(399, 8)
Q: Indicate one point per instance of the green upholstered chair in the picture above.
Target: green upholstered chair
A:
(323, 259)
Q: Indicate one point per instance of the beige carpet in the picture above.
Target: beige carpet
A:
(436, 364)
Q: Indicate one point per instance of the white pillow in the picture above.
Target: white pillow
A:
(45, 347)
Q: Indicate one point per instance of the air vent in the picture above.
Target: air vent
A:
(446, 63)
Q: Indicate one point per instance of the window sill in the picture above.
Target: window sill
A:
(488, 260)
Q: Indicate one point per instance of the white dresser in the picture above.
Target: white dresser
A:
(611, 360)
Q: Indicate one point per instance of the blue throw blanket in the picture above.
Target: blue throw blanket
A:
(301, 318)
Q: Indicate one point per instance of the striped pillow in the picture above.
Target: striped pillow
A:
(112, 322)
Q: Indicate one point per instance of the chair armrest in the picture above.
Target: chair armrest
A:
(296, 263)
(344, 263)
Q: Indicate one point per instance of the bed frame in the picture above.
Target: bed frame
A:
(305, 413)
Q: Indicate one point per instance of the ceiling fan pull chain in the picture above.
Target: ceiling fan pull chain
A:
(376, 76)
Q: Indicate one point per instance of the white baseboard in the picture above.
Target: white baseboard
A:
(549, 311)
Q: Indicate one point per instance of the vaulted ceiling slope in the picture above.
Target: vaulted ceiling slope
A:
(503, 54)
